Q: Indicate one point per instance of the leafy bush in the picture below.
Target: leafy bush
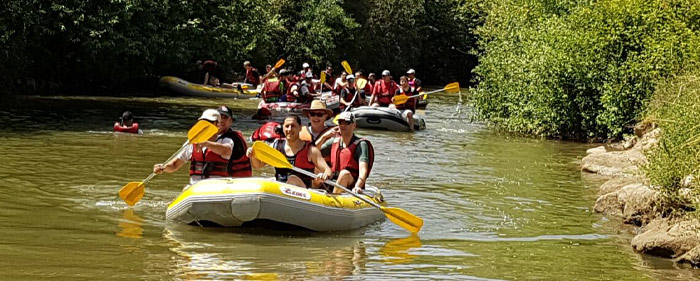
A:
(674, 107)
(575, 69)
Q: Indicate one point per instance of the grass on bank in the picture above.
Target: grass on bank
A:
(675, 107)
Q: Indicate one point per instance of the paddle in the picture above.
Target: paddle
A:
(277, 65)
(450, 88)
(202, 131)
(346, 66)
(275, 158)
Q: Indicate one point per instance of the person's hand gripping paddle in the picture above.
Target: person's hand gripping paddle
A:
(450, 88)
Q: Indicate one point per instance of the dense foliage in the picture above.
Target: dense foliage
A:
(674, 107)
(52, 45)
(579, 69)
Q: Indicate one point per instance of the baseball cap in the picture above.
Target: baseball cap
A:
(347, 116)
(350, 77)
(309, 75)
(224, 110)
(305, 65)
(211, 115)
(411, 71)
(386, 73)
(127, 116)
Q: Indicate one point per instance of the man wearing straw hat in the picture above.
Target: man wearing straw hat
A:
(317, 114)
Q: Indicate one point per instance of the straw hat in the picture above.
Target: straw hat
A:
(317, 105)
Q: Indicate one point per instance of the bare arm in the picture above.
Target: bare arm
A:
(223, 149)
(169, 167)
(362, 177)
(320, 163)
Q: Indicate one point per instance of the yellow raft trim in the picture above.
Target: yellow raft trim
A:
(228, 186)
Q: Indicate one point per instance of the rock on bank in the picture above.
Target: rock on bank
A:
(628, 195)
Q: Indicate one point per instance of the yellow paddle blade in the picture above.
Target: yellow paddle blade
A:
(270, 155)
(132, 192)
(323, 77)
(400, 99)
(452, 87)
(279, 63)
(346, 66)
(403, 219)
(335, 119)
(361, 83)
(202, 131)
(425, 97)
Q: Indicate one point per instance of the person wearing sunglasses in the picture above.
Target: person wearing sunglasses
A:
(351, 157)
(317, 114)
(301, 154)
(383, 91)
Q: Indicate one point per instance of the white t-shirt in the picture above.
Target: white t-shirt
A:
(186, 155)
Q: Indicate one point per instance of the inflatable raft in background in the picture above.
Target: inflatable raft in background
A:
(332, 102)
(234, 202)
(184, 87)
(384, 118)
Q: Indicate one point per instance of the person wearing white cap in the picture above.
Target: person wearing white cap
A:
(209, 158)
(350, 96)
(301, 154)
(383, 91)
(413, 81)
(351, 157)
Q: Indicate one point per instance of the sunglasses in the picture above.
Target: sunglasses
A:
(224, 117)
(344, 122)
(317, 114)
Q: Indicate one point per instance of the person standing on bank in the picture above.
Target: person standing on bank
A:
(351, 157)
(215, 157)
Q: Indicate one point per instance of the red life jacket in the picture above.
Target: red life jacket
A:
(384, 91)
(290, 94)
(267, 131)
(212, 164)
(344, 159)
(272, 90)
(251, 78)
(299, 160)
(349, 95)
(410, 103)
(133, 129)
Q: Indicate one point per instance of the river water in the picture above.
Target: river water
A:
(496, 207)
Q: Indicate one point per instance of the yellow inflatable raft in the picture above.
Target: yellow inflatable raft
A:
(184, 87)
(234, 202)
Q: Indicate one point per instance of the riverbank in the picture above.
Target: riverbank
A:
(628, 195)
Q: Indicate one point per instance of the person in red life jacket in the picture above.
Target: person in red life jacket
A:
(351, 157)
(126, 124)
(351, 96)
(409, 107)
(327, 86)
(413, 81)
(383, 91)
(268, 132)
(215, 157)
(252, 75)
(363, 84)
(303, 91)
(210, 68)
(301, 154)
(317, 114)
(372, 78)
(273, 89)
(340, 83)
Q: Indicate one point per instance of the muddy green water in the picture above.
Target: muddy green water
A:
(495, 206)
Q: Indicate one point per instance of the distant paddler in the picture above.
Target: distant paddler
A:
(383, 91)
(407, 108)
(126, 124)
